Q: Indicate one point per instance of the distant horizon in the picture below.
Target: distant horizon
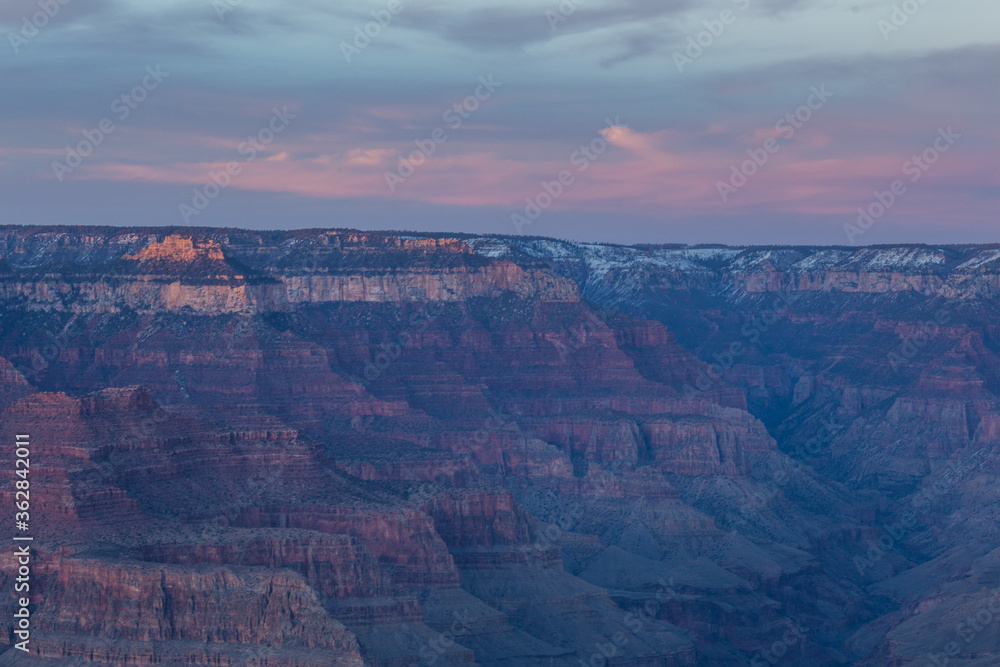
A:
(460, 235)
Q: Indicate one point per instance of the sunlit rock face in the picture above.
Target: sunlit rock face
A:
(345, 448)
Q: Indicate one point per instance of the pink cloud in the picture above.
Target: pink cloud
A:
(645, 172)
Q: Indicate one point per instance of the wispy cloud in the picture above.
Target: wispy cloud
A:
(607, 58)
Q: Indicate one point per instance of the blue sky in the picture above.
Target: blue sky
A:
(684, 121)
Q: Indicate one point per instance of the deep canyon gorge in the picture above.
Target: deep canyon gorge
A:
(331, 447)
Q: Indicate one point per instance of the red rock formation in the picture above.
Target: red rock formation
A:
(363, 435)
(205, 616)
(177, 248)
(335, 566)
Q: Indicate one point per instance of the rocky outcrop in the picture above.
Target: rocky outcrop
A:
(13, 385)
(210, 276)
(177, 248)
(205, 616)
(335, 566)
(337, 447)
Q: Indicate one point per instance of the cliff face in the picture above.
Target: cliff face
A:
(166, 608)
(875, 366)
(335, 447)
(181, 272)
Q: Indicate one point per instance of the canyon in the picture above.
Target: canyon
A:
(335, 447)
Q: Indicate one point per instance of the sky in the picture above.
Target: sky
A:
(676, 121)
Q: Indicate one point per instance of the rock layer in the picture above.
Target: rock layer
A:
(334, 447)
